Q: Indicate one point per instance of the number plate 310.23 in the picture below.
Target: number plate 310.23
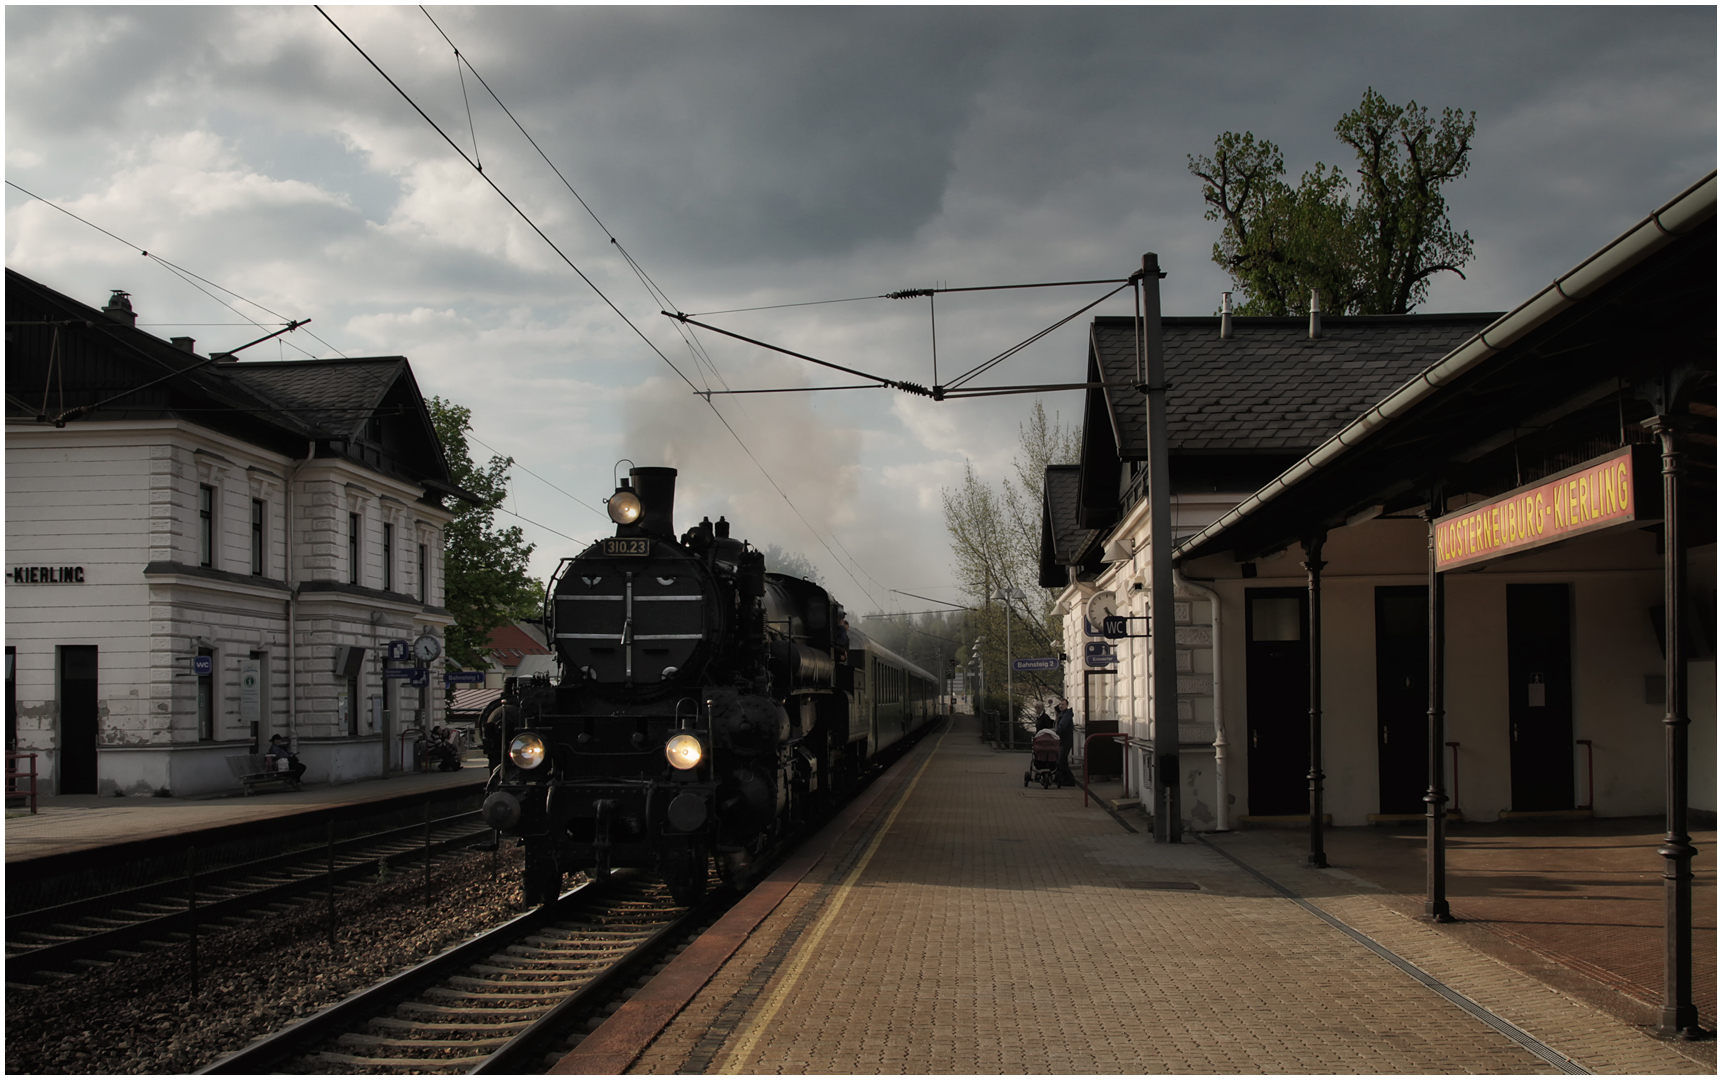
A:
(627, 545)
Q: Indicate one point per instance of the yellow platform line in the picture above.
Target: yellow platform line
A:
(809, 945)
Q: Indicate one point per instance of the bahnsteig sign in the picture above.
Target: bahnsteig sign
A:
(1619, 488)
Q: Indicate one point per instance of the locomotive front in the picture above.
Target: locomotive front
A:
(659, 745)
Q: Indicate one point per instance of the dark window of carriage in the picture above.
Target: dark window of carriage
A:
(424, 590)
(205, 525)
(352, 549)
(388, 556)
(257, 537)
(206, 700)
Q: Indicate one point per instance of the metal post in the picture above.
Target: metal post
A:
(1313, 563)
(331, 835)
(1679, 1013)
(1435, 799)
(1162, 641)
(1010, 674)
(191, 909)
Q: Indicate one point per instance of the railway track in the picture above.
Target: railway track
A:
(499, 1003)
(66, 939)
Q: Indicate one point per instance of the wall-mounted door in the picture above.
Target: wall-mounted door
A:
(1276, 673)
(77, 759)
(1540, 695)
(1402, 696)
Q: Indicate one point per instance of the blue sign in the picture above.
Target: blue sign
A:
(449, 678)
(398, 651)
(203, 665)
(1039, 663)
(1098, 654)
(418, 676)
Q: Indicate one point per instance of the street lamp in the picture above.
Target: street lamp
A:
(1007, 595)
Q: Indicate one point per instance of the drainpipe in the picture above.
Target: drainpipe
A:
(293, 609)
(1313, 563)
(1221, 795)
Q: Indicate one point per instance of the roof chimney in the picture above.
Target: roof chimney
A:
(1314, 314)
(119, 308)
(1225, 315)
(186, 343)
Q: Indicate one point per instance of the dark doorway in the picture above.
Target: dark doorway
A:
(11, 699)
(1402, 696)
(1276, 673)
(77, 764)
(1540, 695)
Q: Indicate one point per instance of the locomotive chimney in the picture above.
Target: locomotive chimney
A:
(656, 488)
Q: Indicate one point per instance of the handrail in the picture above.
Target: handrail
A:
(1124, 741)
(13, 774)
(416, 733)
(1589, 775)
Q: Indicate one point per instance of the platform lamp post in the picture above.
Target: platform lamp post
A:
(1007, 595)
(980, 702)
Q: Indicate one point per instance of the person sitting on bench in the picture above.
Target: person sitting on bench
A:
(278, 752)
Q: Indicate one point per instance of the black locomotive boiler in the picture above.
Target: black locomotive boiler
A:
(703, 706)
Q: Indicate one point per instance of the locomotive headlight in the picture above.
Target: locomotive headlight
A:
(624, 506)
(527, 750)
(684, 751)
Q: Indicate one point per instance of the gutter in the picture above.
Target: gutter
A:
(1675, 218)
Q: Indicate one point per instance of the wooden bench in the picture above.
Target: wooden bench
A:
(252, 770)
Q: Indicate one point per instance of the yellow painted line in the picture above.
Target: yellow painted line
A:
(809, 945)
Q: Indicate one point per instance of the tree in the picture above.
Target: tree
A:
(1369, 257)
(795, 564)
(995, 540)
(485, 574)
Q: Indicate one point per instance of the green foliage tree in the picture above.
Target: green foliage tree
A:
(485, 574)
(995, 541)
(780, 561)
(1371, 256)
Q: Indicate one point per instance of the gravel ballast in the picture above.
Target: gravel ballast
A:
(137, 1015)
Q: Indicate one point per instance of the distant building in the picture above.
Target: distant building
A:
(517, 649)
(203, 551)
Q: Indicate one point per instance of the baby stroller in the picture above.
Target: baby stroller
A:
(1044, 767)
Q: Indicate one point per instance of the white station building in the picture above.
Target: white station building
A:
(202, 551)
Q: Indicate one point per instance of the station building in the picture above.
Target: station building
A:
(1307, 461)
(202, 551)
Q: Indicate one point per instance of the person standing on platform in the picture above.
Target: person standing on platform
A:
(1066, 729)
(1041, 720)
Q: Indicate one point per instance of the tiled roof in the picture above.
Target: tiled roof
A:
(1061, 493)
(336, 395)
(509, 643)
(1269, 388)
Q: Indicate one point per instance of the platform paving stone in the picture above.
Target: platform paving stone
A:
(994, 929)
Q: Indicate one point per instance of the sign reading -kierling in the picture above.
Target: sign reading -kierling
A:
(1611, 490)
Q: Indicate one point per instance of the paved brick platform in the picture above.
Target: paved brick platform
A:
(969, 925)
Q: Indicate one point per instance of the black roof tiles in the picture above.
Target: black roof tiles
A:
(1269, 386)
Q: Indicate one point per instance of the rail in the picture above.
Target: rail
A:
(13, 775)
(1123, 739)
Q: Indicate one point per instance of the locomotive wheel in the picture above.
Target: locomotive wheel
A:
(687, 880)
(542, 882)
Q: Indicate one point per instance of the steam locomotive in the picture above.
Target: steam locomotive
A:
(704, 707)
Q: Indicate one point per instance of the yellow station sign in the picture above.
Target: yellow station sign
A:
(1616, 489)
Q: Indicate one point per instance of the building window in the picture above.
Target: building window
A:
(206, 699)
(205, 525)
(388, 556)
(424, 591)
(257, 537)
(352, 549)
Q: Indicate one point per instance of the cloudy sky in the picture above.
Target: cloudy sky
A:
(747, 158)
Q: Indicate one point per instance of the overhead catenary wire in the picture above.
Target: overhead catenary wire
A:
(185, 275)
